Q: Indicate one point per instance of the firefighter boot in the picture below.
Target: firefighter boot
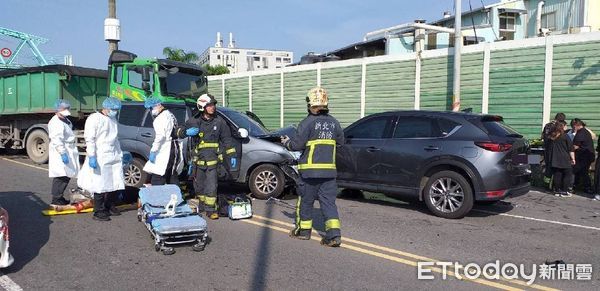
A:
(303, 234)
(332, 242)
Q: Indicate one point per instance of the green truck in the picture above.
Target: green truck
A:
(27, 95)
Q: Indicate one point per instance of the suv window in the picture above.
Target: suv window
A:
(372, 128)
(446, 125)
(179, 113)
(495, 126)
(416, 127)
(131, 115)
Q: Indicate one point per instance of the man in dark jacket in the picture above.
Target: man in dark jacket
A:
(317, 137)
(548, 128)
(211, 138)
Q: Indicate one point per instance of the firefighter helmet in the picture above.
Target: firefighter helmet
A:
(317, 96)
(205, 100)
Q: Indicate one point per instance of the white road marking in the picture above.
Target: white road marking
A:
(539, 219)
(8, 284)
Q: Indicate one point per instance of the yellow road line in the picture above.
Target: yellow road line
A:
(398, 252)
(390, 258)
(24, 164)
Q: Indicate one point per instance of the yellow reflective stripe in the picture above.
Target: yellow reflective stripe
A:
(204, 145)
(202, 198)
(220, 157)
(305, 224)
(230, 151)
(206, 163)
(316, 167)
(210, 201)
(311, 144)
(298, 212)
(320, 142)
(332, 223)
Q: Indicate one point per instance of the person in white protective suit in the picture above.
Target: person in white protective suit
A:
(165, 161)
(63, 162)
(102, 171)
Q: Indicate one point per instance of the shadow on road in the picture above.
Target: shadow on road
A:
(261, 263)
(29, 229)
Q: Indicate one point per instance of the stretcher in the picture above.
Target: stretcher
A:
(170, 220)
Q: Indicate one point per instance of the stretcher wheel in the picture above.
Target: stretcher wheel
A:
(198, 247)
(157, 247)
(167, 251)
(139, 217)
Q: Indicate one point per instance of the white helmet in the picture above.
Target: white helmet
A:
(205, 100)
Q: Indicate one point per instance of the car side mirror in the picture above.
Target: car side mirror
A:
(243, 132)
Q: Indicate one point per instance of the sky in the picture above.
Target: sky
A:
(75, 27)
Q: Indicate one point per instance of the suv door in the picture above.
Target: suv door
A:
(359, 158)
(416, 139)
(130, 119)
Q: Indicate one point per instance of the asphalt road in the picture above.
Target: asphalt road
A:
(383, 241)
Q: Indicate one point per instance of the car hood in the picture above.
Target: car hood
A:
(275, 136)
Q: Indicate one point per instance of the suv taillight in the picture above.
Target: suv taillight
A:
(494, 146)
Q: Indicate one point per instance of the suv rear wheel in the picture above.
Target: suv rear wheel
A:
(134, 174)
(448, 194)
(266, 181)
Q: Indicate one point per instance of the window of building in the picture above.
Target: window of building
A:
(507, 26)
(257, 58)
(278, 60)
(287, 60)
(432, 41)
(549, 21)
(507, 22)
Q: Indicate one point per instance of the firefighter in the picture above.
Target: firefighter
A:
(317, 137)
(211, 140)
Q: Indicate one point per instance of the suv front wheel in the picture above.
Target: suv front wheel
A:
(448, 194)
(266, 181)
(134, 173)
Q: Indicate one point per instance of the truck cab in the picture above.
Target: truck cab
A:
(135, 79)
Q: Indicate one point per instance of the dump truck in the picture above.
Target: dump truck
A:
(27, 95)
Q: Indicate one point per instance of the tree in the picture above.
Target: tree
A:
(177, 54)
(216, 70)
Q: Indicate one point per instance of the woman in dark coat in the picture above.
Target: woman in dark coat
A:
(562, 160)
(583, 144)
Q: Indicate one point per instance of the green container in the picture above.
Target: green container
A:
(34, 90)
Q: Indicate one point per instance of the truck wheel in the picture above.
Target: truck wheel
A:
(134, 174)
(266, 181)
(448, 194)
(37, 146)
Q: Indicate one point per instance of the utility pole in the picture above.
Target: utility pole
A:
(458, 42)
(112, 27)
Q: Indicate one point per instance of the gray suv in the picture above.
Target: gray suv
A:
(449, 160)
(264, 165)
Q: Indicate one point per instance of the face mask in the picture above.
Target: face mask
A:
(112, 113)
(65, 112)
(155, 112)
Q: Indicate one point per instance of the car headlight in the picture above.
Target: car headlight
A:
(296, 155)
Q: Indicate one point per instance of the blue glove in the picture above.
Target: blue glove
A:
(233, 162)
(93, 162)
(152, 157)
(65, 158)
(190, 170)
(192, 131)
